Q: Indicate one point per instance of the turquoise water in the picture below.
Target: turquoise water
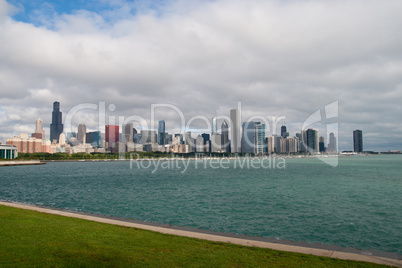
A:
(357, 204)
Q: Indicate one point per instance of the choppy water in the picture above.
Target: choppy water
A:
(357, 204)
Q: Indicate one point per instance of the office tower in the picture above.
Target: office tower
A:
(290, 145)
(206, 137)
(168, 138)
(225, 137)
(94, 138)
(199, 144)
(180, 137)
(111, 135)
(269, 145)
(260, 137)
(235, 130)
(39, 132)
(312, 140)
(358, 141)
(148, 136)
(189, 141)
(332, 148)
(161, 133)
(321, 145)
(214, 126)
(216, 143)
(81, 136)
(62, 139)
(284, 133)
(253, 137)
(56, 127)
(127, 132)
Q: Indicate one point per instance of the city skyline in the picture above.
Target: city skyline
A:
(278, 58)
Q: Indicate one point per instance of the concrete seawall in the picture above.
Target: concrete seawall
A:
(216, 237)
(21, 163)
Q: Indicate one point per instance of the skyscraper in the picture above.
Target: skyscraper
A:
(253, 137)
(127, 132)
(214, 125)
(81, 135)
(358, 141)
(56, 127)
(225, 137)
(235, 130)
(39, 132)
(321, 145)
(111, 135)
(284, 133)
(161, 133)
(332, 148)
(312, 140)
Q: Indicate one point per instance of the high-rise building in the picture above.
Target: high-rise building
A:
(127, 132)
(284, 133)
(81, 135)
(199, 144)
(56, 127)
(312, 140)
(180, 138)
(332, 148)
(253, 137)
(206, 137)
(189, 141)
(358, 141)
(111, 135)
(225, 137)
(269, 145)
(216, 146)
(321, 145)
(148, 136)
(94, 138)
(235, 130)
(39, 132)
(161, 133)
(214, 125)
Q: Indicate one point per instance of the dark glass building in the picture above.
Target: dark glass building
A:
(56, 127)
(358, 141)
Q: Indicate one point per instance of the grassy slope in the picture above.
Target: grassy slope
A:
(29, 238)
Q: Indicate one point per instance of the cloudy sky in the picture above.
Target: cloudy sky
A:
(286, 58)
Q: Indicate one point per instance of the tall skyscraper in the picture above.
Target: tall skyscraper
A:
(235, 130)
(225, 137)
(253, 137)
(161, 133)
(214, 126)
(284, 133)
(332, 148)
(94, 138)
(81, 135)
(39, 132)
(111, 135)
(358, 141)
(321, 145)
(206, 137)
(127, 132)
(56, 127)
(312, 140)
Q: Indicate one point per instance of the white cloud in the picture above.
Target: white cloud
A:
(276, 57)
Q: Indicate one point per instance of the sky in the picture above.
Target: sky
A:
(282, 60)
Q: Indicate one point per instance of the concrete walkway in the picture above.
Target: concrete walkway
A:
(218, 238)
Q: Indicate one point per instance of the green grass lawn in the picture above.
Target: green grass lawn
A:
(29, 238)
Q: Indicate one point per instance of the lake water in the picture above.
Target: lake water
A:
(356, 204)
